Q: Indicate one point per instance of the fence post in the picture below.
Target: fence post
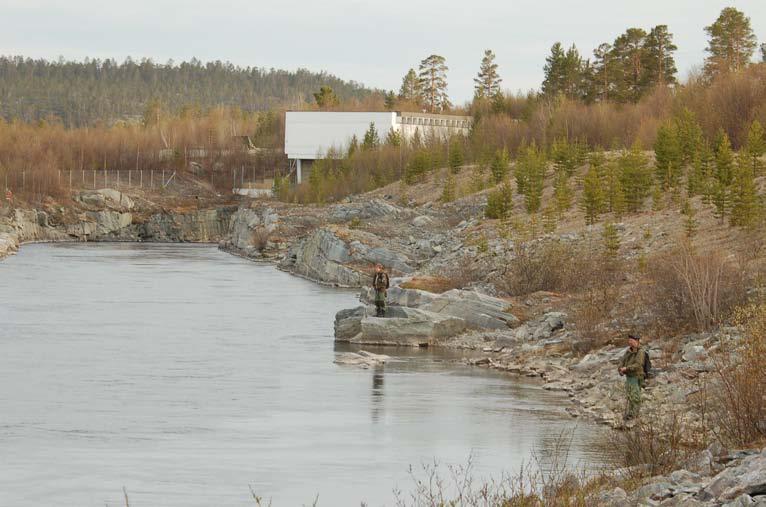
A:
(151, 179)
(70, 180)
(23, 180)
(141, 178)
(106, 178)
(129, 178)
(94, 179)
(118, 177)
(163, 178)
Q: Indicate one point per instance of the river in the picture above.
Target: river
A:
(187, 375)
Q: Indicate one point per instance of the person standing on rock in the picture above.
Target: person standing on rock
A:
(632, 367)
(380, 286)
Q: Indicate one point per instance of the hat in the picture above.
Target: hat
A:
(633, 336)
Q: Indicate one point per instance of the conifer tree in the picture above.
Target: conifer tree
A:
(432, 77)
(487, 82)
(500, 165)
(326, 98)
(603, 72)
(745, 202)
(394, 137)
(418, 167)
(724, 160)
(611, 239)
(499, 202)
(410, 89)
(564, 73)
(353, 146)
(530, 176)
(690, 222)
(614, 191)
(593, 199)
(635, 177)
(629, 53)
(668, 156)
(549, 219)
(455, 156)
(755, 148)
(701, 176)
(562, 192)
(659, 65)
(690, 136)
(731, 43)
(371, 139)
(389, 100)
(657, 201)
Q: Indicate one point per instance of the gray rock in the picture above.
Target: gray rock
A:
(321, 257)
(409, 326)
(105, 198)
(348, 323)
(422, 221)
(363, 359)
(694, 353)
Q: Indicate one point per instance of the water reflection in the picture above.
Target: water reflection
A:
(378, 407)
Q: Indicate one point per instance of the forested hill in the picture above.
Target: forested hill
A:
(81, 93)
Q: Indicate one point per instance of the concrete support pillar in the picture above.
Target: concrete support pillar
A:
(298, 177)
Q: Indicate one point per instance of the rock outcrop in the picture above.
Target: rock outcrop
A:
(362, 359)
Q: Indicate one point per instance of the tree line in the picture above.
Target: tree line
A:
(91, 91)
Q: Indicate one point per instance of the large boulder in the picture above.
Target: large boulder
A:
(105, 198)
(110, 223)
(245, 222)
(348, 323)
(409, 326)
(479, 311)
(374, 208)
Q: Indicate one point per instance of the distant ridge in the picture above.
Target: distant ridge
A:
(84, 92)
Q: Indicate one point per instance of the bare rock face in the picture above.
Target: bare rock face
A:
(322, 256)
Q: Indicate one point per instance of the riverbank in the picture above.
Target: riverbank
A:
(448, 266)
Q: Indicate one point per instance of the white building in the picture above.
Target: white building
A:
(309, 135)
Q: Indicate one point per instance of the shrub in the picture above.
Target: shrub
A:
(691, 290)
(260, 238)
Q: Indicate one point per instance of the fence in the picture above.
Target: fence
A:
(150, 179)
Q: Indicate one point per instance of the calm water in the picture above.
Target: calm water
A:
(185, 374)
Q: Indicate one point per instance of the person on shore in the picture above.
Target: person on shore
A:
(632, 367)
(380, 286)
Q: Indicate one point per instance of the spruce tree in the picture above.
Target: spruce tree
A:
(690, 222)
(635, 177)
(562, 192)
(326, 98)
(487, 82)
(389, 100)
(530, 176)
(549, 219)
(668, 156)
(611, 238)
(499, 202)
(731, 43)
(394, 137)
(615, 195)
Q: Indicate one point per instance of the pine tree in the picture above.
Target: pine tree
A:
(499, 202)
(326, 98)
(659, 65)
(432, 77)
(499, 166)
(690, 136)
(690, 222)
(554, 71)
(487, 82)
(455, 156)
(668, 156)
(724, 160)
(564, 73)
(389, 100)
(353, 146)
(731, 43)
(611, 238)
(562, 192)
(635, 177)
(745, 201)
(549, 219)
(628, 52)
(657, 198)
(755, 147)
(448, 192)
(721, 199)
(371, 139)
(394, 137)
(701, 176)
(593, 199)
(410, 89)
(530, 176)
(418, 167)
(603, 72)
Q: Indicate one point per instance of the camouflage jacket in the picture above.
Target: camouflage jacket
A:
(380, 281)
(633, 362)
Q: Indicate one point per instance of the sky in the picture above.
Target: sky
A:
(374, 43)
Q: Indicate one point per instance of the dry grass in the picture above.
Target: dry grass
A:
(434, 284)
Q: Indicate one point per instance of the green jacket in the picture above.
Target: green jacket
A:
(633, 362)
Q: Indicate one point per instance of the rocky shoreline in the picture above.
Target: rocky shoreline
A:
(336, 245)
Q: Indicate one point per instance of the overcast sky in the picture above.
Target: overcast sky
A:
(371, 42)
